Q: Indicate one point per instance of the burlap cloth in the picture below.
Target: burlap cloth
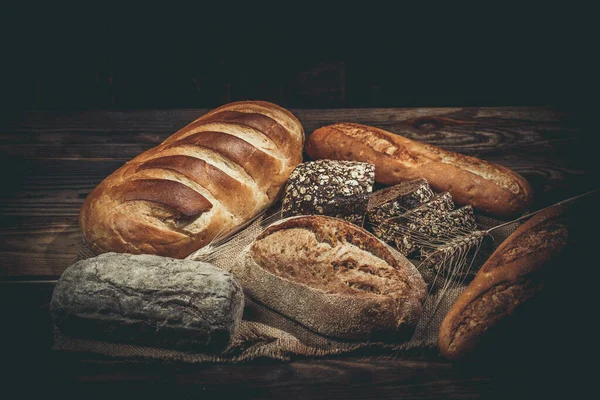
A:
(264, 333)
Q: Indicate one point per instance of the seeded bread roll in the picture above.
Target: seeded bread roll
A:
(338, 189)
(511, 276)
(396, 200)
(334, 278)
(490, 188)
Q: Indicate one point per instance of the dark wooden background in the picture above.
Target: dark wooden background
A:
(83, 89)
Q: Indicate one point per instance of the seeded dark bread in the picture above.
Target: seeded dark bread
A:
(442, 228)
(508, 278)
(488, 187)
(337, 189)
(333, 277)
(397, 230)
(396, 200)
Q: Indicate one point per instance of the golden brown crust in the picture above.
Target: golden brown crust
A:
(334, 278)
(488, 187)
(508, 278)
(254, 161)
(204, 180)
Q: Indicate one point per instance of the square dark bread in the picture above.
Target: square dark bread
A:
(398, 199)
(446, 227)
(333, 188)
(443, 227)
(396, 230)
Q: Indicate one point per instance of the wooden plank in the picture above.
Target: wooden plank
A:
(38, 247)
(61, 134)
(346, 378)
(52, 160)
(160, 121)
(480, 132)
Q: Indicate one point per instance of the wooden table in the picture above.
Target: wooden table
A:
(50, 161)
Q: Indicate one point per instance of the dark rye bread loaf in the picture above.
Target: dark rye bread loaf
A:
(396, 200)
(397, 229)
(333, 277)
(338, 189)
(511, 276)
(148, 300)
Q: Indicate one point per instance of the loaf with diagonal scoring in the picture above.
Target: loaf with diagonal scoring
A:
(205, 180)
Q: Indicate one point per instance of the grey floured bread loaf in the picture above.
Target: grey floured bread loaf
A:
(395, 200)
(147, 299)
(338, 189)
(333, 277)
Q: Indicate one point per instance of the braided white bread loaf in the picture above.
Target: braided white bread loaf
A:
(204, 180)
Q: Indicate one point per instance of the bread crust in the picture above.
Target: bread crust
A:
(508, 278)
(488, 187)
(206, 179)
(334, 278)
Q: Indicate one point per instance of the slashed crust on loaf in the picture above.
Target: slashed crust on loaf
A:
(333, 277)
(204, 180)
(509, 277)
(488, 187)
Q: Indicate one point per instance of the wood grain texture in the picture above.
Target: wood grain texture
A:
(51, 160)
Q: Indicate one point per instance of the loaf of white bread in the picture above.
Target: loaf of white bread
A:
(203, 181)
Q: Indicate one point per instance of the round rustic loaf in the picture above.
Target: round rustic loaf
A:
(333, 277)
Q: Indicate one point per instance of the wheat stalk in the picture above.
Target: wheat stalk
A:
(451, 255)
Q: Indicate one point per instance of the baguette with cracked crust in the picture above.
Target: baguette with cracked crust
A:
(334, 278)
(205, 180)
(511, 276)
(488, 187)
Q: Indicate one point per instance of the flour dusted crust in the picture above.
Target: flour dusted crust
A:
(334, 278)
(488, 187)
(205, 180)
